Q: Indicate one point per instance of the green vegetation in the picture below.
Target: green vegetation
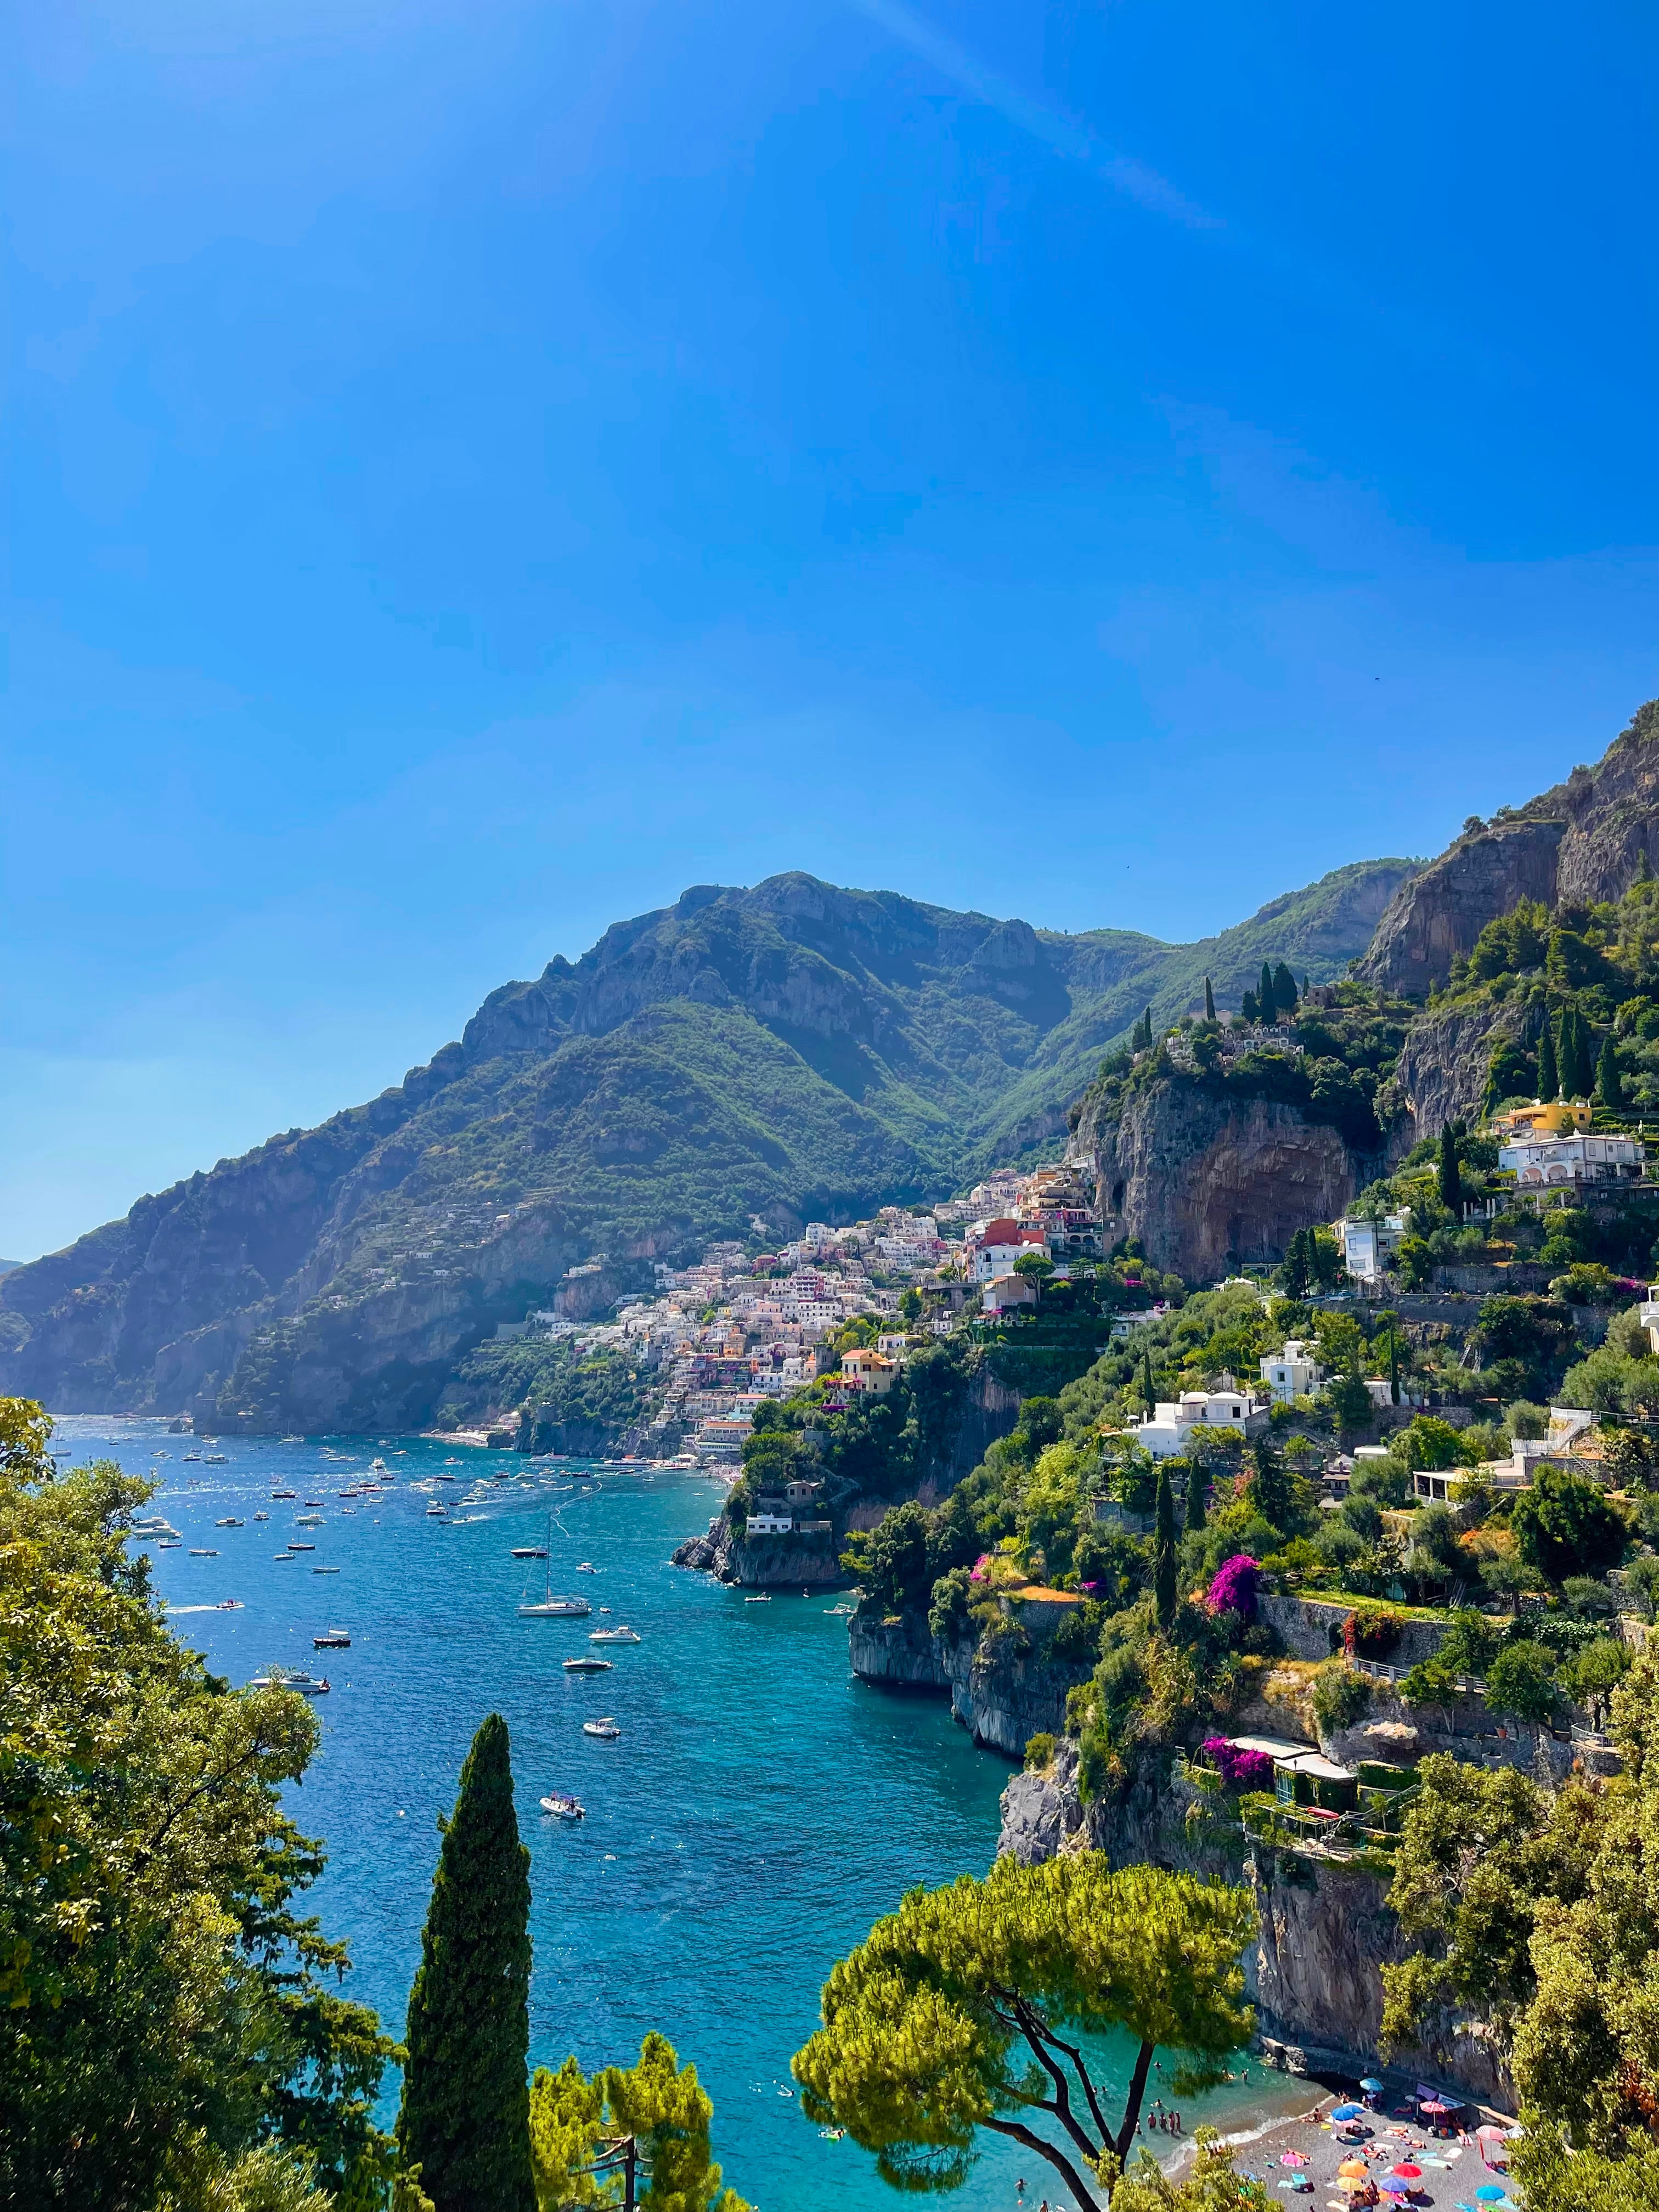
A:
(965, 2010)
(464, 2117)
(172, 2038)
(546, 1389)
(660, 2103)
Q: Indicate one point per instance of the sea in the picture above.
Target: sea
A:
(760, 1809)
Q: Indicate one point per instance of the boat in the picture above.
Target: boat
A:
(551, 1607)
(325, 1571)
(762, 1600)
(230, 1521)
(436, 1512)
(190, 1456)
(378, 1466)
(276, 1494)
(216, 1459)
(586, 1567)
(230, 1605)
(278, 1556)
(262, 1516)
(202, 1552)
(285, 1677)
(563, 1807)
(588, 1666)
(529, 1551)
(606, 1729)
(316, 1501)
(302, 1548)
(290, 1440)
(614, 1636)
(168, 1544)
(335, 1640)
(307, 1520)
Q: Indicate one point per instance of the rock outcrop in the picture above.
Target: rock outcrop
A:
(1440, 1073)
(1324, 1929)
(1206, 1183)
(779, 1562)
(1004, 1689)
(1585, 839)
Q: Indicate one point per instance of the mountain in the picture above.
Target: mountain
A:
(770, 1054)
(1585, 839)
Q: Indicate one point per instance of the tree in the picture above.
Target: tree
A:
(1451, 1181)
(1609, 1086)
(1163, 1550)
(1198, 1483)
(1283, 1498)
(1284, 989)
(1549, 1081)
(890, 1561)
(1209, 1001)
(1563, 1526)
(965, 2010)
(1265, 997)
(465, 2111)
(1034, 1268)
(1149, 1394)
(1521, 1680)
(660, 2103)
(172, 2035)
(1298, 1271)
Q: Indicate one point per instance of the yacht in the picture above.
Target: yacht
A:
(216, 1459)
(230, 1521)
(606, 1729)
(563, 1807)
(588, 1666)
(307, 1520)
(551, 1607)
(284, 1678)
(614, 1636)
(378, 1466)
(530, 1550)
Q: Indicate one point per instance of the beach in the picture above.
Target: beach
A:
(1449, 2169)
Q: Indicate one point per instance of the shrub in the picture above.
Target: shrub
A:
(1521, 1680)
(948, 1615)
(1233, 1588)
(1240, 1770)
(1341, 1694)
(1563, 1526)
(1370, 1631)
(1040, 1752)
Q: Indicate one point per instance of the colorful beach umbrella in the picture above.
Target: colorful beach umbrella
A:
(1406, 2171)
(1395, 2187)
(1352, 2169)
(1490, 2193)
(1291, 2158)
(1348, 2112)
(1372, 2089)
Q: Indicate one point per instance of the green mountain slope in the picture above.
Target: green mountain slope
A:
(783, 1053)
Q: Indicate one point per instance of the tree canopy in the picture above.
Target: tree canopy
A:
(959, 2012)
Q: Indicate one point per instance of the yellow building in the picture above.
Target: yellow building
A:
(1561, 1117)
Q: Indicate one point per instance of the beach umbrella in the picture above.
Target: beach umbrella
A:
(1348, 2112)
(1406, 2171)
(1372, 2089)
(1292, 2158)
(1352, 2169)
(1395, 2187)
(1490, 2193)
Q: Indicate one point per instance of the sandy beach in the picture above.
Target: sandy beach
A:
(1449, 2169)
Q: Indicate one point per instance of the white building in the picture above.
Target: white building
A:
(1169, 1427)
(1292, 1371)
(1369, 1246)
(1126, 1324)
(1542, 1162)
(769, 1524)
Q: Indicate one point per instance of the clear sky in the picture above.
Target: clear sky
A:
(478, 466)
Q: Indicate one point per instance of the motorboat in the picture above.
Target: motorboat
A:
(437, 1512)
(307, 1520)
(529, 1551)
(202, 1552)
(762, 1600)
(586, 1567)
(606, 1729)
(278, 1556)
(168, 1544)
(302, 1548)
(588, 1666)
(614, 1636)
(325, 1571)
(230, 1605)
(316, 1501)
(192, 1455)
(378, 1466)
(336, 1639)
(230, 1521)
(285, 1677)
(216, 1459)
(262, 1516)
(276, 1494)
(563, 1807)
(290, 1440)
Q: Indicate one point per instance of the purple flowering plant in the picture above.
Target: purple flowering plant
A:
(1239, 1770)
(1234, 1587)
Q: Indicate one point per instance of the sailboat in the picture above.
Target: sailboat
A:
(551, 1607)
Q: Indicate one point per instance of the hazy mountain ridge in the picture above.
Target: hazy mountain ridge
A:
(786, 1051)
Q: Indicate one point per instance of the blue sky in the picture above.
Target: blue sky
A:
(478, 467)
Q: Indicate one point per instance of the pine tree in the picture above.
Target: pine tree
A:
(1609, 1089)
(1264, 993)
(466, 2112)
(1163, 1550)
(1548, 1080)
(1209, 1001)
(1284, 989)
(1198, 1481)
(1451, 1183)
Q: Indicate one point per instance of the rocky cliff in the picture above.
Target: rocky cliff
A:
(1584, 839)
(790, 1562)
(786, 1051)
(1324, 1929)
(1004, 1691)
(1206, 1183)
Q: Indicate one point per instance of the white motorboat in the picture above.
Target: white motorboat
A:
(586, 1567)
(606, 1729)
(614, 1636)
(230, 1605)
(588, 1666)
(202, 1552)
(563, 1807)
(437, 1512)
(307, 1520)
(530, 1550)
(230, 1521)
(216, 1459)
(762, 1600)
(378, 1466)
(262, 1516)
(286, 1678)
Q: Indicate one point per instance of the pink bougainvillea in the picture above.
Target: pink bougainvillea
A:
(1240, 1770)
(1233, 1589)
(981, 1569)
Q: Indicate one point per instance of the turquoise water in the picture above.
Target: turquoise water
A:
(760, 1810)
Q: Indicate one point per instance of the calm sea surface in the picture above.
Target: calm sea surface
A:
(760, 1810)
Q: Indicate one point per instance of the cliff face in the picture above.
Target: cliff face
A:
(1323, 1930)
(1585, 839)
(1441, 1075)
(1003, 1692)
(1206, 1183)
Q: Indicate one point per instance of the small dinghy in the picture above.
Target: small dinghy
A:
(563, 1807)
(606, 1729)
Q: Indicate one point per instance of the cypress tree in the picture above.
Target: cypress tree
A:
(465, 2113)
(1451, 1183)
(1147, 1021)
(1264, 993)
(1198, 1478)
(1248, 1009)
(1209, 1001)
(1608, 1087)
(1548, 1080)
(1147, 1393)
(1163, 1550)
(1284, 989)
(1583, 1048)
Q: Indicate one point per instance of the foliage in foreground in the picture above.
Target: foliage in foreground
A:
(170, 2040)
(963, 2011)
(660, 2103)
